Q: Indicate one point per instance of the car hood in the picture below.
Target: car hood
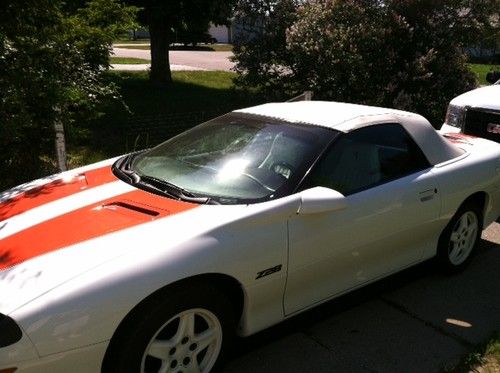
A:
(485, 97)
(51, 230)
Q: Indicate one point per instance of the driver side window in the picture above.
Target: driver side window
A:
(368, 157)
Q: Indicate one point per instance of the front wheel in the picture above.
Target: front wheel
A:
(185, 331)
(190, 341)
(460, 238)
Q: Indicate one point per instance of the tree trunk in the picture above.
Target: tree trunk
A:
(159, 32)
(60, 141)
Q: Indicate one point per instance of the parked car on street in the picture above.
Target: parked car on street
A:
(194, 37)
(476, 113)
(153, 261)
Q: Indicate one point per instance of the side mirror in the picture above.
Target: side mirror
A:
(321, 199)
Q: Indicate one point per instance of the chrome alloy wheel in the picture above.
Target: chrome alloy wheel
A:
(463, 238)
(189, 342)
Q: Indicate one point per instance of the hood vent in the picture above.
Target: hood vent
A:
(135, 208)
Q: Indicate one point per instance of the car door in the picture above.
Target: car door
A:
(392, 201)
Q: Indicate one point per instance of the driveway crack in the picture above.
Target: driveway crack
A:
(436, 328)
(310, 335)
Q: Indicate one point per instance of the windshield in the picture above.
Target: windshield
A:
(236, 158)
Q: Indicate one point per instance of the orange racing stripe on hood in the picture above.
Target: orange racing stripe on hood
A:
(55, 190)
(107, 216)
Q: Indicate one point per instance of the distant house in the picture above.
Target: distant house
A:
(230, 34)
(222, 33)
(480, 53)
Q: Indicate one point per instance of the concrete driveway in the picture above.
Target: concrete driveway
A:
(196, 60)
(415, 321)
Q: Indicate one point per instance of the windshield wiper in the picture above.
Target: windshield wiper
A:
(160, 186)
(123, 167)
(173, 190)
(132, 175)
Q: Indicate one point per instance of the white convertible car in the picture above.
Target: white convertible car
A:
(153, 261)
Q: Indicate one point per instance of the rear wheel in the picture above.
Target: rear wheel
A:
(460, 238)
(186, 330)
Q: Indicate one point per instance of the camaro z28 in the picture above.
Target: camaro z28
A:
(153, 261)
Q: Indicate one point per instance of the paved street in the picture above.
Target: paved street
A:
(189, 60)
(416, 321)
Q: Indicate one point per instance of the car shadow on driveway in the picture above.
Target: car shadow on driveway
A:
(416, 321)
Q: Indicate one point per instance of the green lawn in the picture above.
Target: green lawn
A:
(485, 358)
(128, 60)
(128, 41)
(492, 353)
(489, 356)
(481, 70)
(145, 47)
(189, 91)
(153, 113)
(201, 47)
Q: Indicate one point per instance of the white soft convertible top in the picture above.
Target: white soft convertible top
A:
(346, 117)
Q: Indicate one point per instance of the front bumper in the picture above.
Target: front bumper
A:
(87, 359)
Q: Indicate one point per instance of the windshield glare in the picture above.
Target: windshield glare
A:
(236, 158)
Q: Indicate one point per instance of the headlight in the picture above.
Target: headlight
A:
(455, 116)
(10, 332)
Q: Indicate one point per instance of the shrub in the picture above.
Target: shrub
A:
(401, 54)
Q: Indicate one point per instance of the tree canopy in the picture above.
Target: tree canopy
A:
(403, 54)
(52, 60)
(163, 18)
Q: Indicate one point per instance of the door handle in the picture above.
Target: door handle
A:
(427, 195)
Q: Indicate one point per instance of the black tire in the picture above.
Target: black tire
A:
(459, 239)
(159, 322)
